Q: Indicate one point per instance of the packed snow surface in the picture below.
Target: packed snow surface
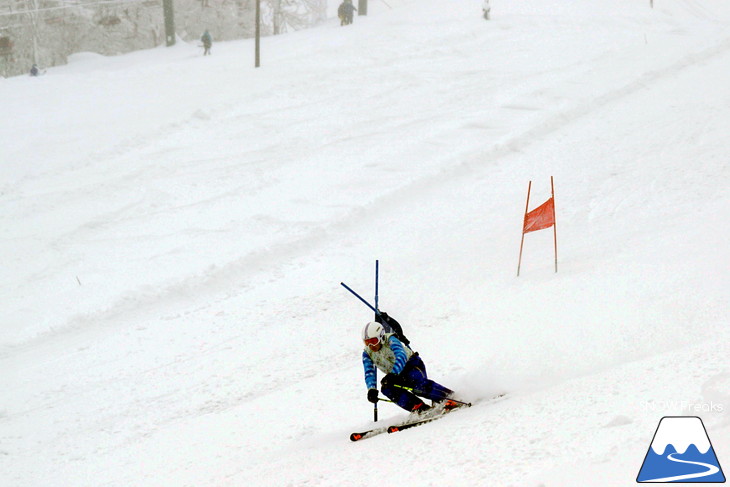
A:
(174, 230)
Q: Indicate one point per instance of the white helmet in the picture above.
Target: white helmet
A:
(373, 330)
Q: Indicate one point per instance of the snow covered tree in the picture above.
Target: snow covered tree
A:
(48, 31)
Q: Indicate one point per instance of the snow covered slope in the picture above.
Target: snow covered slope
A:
(174, 230)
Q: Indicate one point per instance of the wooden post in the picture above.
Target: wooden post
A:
(168, 10)
(555, 224)
(258, 33)
(522, 242)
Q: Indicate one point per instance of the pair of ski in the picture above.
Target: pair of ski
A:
(412, 423)
(401, 426)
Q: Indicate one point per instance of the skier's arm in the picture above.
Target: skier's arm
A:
(400, 355)
(371, 378)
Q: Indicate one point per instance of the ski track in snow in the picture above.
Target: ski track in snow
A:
(233, 273)
(172, 269)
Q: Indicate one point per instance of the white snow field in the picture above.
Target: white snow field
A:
(174, 230)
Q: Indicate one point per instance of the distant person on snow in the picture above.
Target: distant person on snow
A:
(207, 40)
(486, 8)
(34, 71)
(401, 366)
(345, 12)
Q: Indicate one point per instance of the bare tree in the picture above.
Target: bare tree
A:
(46, 32)
(296, 14)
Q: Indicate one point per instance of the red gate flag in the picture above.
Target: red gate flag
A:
(540, 218)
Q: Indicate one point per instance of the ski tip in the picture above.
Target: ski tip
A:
(393, 429)
(356, 436)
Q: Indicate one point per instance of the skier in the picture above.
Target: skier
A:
(207, 42)
(403, 367)
(486, 8)
(34, 71)
(344, 12)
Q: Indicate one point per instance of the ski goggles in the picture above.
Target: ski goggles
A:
(372, 341)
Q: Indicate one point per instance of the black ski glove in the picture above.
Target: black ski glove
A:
(373, 395)
(389, 380)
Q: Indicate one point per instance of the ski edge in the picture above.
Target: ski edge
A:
(368, 434)
(404, 426)
(414, 424)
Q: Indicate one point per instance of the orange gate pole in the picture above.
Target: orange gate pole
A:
(555, 224)
(522, 242)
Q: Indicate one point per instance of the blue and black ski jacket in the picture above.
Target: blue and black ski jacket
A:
(390, 359)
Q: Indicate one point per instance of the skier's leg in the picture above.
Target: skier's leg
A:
(414, 375)
(435, 391)
(406, 400)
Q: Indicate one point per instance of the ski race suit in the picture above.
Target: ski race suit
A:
(395, 358)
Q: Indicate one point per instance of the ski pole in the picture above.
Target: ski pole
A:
(376, 288)
(360, 298)
(375, 408)
(410, 389)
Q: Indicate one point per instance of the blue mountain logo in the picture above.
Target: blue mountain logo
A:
(681, 452)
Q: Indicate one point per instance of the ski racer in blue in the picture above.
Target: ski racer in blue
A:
(402, 367)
